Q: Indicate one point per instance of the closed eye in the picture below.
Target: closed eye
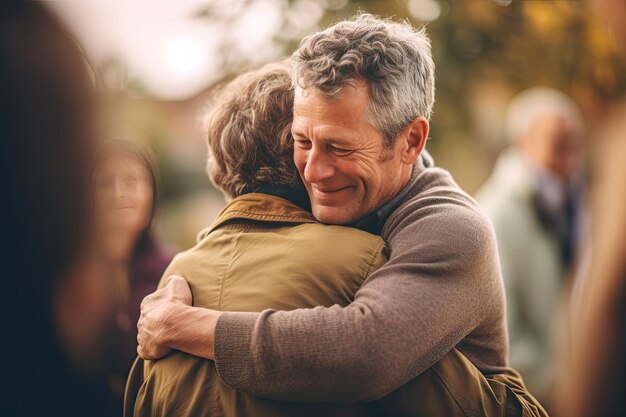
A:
(340, 151)
(302, 143)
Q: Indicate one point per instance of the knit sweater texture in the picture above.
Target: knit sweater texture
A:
(441, 289)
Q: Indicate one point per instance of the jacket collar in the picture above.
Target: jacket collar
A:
(260, 207)
(296, 195)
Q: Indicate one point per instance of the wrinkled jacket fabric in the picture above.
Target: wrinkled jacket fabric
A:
(262, 252)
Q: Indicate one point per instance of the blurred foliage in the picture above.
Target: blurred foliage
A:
(527, 43)
(485, 51)
(560, 43)
(515, 44)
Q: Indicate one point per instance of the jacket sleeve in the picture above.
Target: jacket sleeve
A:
(405, 317)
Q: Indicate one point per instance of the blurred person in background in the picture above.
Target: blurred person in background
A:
(593, 379)
(534, 199)
(54, 306)
(126, 196)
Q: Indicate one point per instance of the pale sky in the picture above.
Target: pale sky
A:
(174, 54)
(162, 44)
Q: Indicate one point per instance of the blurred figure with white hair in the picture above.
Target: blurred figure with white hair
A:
(534, 199)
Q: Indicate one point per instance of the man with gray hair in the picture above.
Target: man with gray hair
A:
(364, 91)
(533, 198)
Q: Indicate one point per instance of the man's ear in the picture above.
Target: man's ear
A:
(415, 134)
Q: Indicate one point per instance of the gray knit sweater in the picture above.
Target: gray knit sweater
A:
(442, 288)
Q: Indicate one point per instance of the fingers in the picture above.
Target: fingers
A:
(179, 289)
(176, 289)
(146, 304)
(155, 308)
(174, 278)
(139, 329)
(139, 345)
(142, 349)
(151, 352)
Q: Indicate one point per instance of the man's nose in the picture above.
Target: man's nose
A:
(119, 189)
(319, 166)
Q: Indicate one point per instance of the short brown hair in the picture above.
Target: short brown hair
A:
(249, 132)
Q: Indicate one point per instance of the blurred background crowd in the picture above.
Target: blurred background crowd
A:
(530, 94)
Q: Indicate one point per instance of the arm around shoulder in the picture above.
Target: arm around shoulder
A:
(394, 329)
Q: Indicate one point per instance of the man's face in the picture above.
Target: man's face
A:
(553, 144)
(340, 155)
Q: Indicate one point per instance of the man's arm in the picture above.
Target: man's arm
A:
(406, 316)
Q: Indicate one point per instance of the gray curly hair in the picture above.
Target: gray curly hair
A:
(394, 58)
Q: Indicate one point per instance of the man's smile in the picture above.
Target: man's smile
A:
(320, 191)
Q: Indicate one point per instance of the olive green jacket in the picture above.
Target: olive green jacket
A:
(262, 252)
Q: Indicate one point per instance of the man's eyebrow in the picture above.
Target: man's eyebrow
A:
(339, 141)
(298, 133)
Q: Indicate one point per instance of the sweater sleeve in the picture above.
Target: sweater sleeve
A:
(405, 317)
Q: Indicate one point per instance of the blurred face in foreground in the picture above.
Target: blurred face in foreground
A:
(341, 157)
(123, 194)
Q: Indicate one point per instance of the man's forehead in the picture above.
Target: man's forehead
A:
(341, 119)
(350, 102)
